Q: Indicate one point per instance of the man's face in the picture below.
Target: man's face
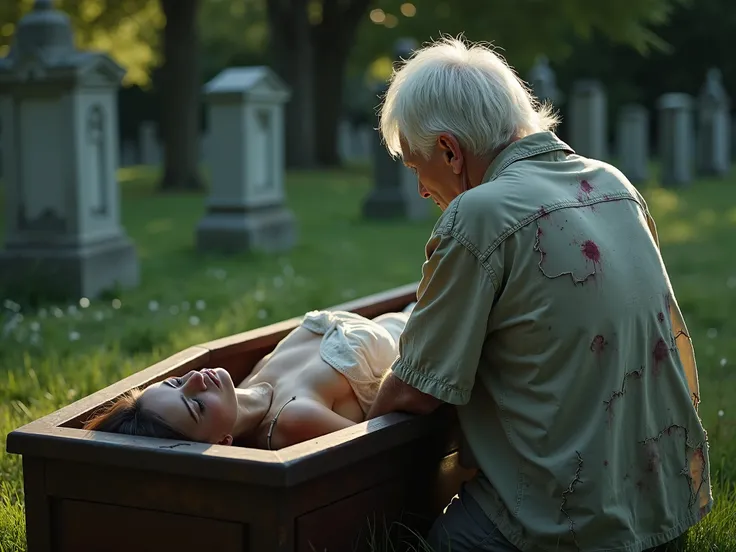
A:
(440, 176)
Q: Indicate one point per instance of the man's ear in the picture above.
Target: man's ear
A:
(451, 152)
(227, 440)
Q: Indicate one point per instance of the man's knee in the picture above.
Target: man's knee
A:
(464, 527)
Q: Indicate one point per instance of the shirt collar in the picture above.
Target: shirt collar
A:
(529, 146)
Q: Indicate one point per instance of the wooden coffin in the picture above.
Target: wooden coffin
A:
(88, 490)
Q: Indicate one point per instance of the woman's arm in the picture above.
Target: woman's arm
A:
(305, 419)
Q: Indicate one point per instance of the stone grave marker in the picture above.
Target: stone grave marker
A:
(632, 139)
(59, 109)
(714, 127)
(345, 140)
(589, 119)
(149, 143)
(354, 141)
(246, 208)
(675, 134)
(129, 154)
(543, 82)
(395, 191)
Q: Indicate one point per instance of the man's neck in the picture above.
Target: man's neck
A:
(478, 166)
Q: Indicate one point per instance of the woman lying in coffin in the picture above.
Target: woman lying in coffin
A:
(320, 378)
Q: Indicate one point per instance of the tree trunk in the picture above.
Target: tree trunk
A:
(180, 96)
(333, 39)
(329, 86)
(291, 53)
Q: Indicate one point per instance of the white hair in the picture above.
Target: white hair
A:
(466, 90)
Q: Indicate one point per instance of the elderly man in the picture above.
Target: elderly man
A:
(546, 316)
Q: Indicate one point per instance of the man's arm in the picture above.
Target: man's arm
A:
(395, 395)
(441, 345)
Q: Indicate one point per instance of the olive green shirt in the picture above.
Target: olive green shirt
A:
(545, 313)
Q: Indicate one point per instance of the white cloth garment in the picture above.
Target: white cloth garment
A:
(359, 348)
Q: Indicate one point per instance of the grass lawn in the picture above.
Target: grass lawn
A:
(57, 353)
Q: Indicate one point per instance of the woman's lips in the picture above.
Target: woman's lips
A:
(213, 376)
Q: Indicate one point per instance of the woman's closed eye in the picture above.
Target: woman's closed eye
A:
(178, 382)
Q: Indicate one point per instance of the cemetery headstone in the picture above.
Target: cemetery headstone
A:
(395, 191)
(150, 145)
(60, 154)
(246, 209)
(714, 127)
(345, 139)
(129, 154)
(354, 141)
(589, 119)
(633, 142)
(675, 136)
(543, 82)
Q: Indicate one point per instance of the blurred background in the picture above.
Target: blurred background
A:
(173, 171)
(332, 53)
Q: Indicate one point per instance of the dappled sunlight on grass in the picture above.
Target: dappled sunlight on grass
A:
(61, 352)
(731, 216)
(679, 231)
(160, 226)
(663, 201)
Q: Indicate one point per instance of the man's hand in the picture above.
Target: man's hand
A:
(396, 396)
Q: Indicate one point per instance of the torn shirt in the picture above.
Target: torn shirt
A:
(546, 314)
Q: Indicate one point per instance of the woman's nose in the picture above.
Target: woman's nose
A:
(195, 382)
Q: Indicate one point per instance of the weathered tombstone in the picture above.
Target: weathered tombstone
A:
(675, 136)
(396, 189)
(129, 154)
(59, 108)
(714, 127)
(345, 139)
(589, 119)
(543, 82)
(633, 142)
(150, 145)
(364, 138)
(246, 209)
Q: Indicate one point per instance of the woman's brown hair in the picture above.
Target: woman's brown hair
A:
(126, 416)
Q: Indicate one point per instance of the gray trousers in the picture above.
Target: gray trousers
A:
(464, 527)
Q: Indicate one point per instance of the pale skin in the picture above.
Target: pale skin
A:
(207, 412)
(207, 407)
(447, 173)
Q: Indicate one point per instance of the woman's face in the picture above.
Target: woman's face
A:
(201, 405)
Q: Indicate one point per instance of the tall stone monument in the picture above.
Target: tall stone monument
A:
(714, 127)
(632, 140)
(58, 107)
(543, 82)
(395, 192)
(589, 119)
(246, 209)
(675, 135)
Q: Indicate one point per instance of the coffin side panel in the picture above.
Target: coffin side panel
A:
(90, 526)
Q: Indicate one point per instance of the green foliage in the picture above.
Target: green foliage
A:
(234, 33)
(125, 29)
(699, 36)
(521, 28)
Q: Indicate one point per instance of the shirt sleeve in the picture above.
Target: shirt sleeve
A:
(441, 345)
(682, 335)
